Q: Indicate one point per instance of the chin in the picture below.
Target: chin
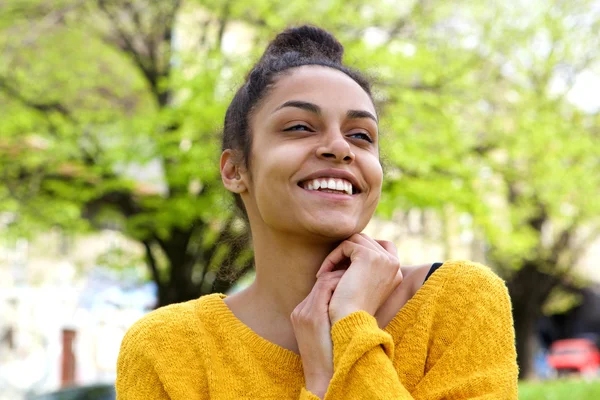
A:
(336, 230)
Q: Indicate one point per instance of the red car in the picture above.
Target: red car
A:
(575, 355)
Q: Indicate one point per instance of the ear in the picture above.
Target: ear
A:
(231, 174)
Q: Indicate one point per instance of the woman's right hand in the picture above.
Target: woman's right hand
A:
(312, 327)
(374, 273)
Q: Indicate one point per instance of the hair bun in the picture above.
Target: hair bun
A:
(308, 41)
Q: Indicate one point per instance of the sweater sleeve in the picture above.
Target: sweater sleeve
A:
(471, 352)
(362, 361)
(307, 395)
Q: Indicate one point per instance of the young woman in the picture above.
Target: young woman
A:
(331, 313)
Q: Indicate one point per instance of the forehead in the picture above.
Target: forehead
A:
(328, 88)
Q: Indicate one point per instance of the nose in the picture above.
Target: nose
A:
(335, 147)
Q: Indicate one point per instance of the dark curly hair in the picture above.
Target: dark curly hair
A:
(292, 48)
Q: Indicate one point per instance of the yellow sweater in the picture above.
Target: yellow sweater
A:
(453, 340)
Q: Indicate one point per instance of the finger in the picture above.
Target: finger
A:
(382, 245)
(399, 277)
(318, 287)
(334, 274)
(300, 306)
(365, 240)
(320, 295)
(325, 287)
(345, 250)
(389, 246)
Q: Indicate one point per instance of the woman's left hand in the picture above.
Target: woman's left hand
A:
(310, 321)
(374, 273)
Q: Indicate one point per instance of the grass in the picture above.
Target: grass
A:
(571, 389)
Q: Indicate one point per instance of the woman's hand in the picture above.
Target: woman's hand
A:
(310, 320)
(374, 273)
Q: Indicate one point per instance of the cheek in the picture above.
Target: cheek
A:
(375, 174)
(271, 173)
(375, 179)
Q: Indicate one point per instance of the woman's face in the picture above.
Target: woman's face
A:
(314, 162)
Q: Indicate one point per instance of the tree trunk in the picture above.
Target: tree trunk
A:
(177, 290)
(525, 331)
(529, 288)
(188, 267)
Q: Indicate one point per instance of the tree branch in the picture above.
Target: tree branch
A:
(152, 263)
(223, 23)
(155, 64)
(123, 200)
(129, 47)
(42, 107)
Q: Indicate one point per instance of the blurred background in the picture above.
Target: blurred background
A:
(110, 195)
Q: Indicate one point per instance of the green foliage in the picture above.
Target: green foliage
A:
(559, 390)
(473, 99)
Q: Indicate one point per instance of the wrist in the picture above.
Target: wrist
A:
(317, 384)
(337, 314)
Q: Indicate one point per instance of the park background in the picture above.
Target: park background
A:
(110, 195)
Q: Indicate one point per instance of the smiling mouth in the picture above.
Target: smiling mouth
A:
(329, 185)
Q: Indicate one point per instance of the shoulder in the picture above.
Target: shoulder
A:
(470, 321)
(472, 286)
(159, 322)
(164, 326)
(415, 272)
(462, 278)
(468, 298)
(412, 280)
(473, 276)
(166, 345)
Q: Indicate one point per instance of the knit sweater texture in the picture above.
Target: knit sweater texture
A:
(454, 339)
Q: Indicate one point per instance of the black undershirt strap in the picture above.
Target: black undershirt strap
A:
(433, 268)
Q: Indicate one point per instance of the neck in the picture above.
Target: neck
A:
(286, 269)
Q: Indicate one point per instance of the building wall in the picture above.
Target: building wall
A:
(54, 283)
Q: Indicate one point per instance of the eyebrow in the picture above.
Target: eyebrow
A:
(355, 114)
(313, 108)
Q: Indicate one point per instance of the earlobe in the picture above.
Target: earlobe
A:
(230, 172)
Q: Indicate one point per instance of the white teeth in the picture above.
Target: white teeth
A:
(329, 184)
